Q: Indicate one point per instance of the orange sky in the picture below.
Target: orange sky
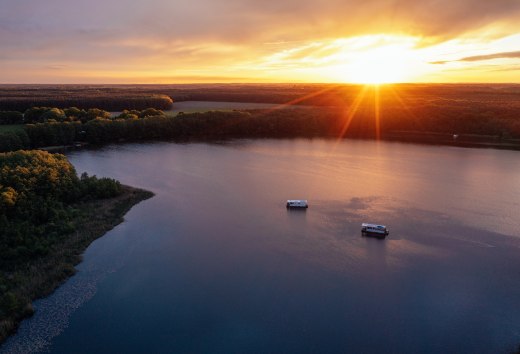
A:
(160, 41)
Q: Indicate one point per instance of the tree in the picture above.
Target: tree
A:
(14, 140)
(55, 114)
(94, 113)
(34, 114)
(151, 112)
(74, 112)
(11, 117)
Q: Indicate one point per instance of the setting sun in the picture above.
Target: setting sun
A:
(382, 65)
(370, 59)
(379, 64)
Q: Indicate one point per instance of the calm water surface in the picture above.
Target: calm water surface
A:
(214, 263)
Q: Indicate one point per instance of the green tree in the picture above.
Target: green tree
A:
(34, 114)
(55, 114)
(94, 113)
(151, 112)
(11, 117)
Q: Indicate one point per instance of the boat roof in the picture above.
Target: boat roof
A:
(373, 225)
(296, 200)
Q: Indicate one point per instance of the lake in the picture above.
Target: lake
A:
(215, 263)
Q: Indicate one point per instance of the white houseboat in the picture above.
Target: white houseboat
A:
(297, 204)
(374, 230)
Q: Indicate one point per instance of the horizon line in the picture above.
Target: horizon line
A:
(261, 83)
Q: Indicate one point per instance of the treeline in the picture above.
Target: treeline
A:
(48, 131)
(38, 197)
(468, 95)
(361, 121)
(11, 117)
(63, 99)
(213, 125)
(492, 110)
(209, 125)
(14, 140)
(71, 114)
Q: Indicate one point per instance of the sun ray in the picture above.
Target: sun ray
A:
(301, 99)
(351, 111)
(377, 111)
(348, 116)
(402, 103)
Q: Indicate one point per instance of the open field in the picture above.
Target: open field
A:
(10, 128)
(206, 106)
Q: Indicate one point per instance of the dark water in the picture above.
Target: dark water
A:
(214, 263)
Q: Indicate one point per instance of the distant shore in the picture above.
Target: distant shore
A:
(412, 137)
(458, 140)
(40, 278)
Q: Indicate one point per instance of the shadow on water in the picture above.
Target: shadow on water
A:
(376, 250)
(297, 213)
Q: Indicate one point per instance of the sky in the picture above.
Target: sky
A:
(194, 41)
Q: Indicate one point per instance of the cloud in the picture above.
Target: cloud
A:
(507, 68)
(503, 55)
(109, 34)
(56, 67)
(245, 20)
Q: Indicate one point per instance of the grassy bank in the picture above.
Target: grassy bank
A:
(39, 278)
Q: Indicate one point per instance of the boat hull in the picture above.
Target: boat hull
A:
(374, 234)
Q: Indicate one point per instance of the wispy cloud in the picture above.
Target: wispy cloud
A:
(56, 66)
(506, 55)
(503, 55)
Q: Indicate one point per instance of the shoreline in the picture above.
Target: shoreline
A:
(40, 278)
(406, 137)
(462, 140)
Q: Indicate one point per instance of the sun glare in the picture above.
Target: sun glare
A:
(377, 60)
(387, 64)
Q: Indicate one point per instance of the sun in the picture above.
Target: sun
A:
(378, 66)
(386, 64)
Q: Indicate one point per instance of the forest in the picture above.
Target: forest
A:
(366, 122)
(43, 204)
(406, 112)
(22, 97)
(110, 97)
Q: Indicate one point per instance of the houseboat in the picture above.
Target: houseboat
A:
(297, 204)
(374, 230)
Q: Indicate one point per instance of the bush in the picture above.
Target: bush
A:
(9, 303)
(151, 112)
(99, 188)
(53, 133)
(11, 117)
(11, 141)
(55, 114)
